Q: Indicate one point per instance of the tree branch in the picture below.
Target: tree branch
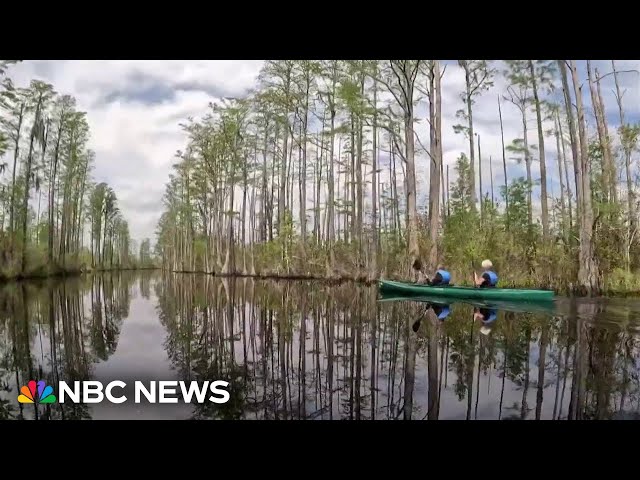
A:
(398, 149)
(391, 90)
(616, 72)
(421, 144)
(404, 92)
(394, 137)
(479, 83)
(414, 73)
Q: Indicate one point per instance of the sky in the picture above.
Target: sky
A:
(134, 109)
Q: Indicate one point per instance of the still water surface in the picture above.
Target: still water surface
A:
(305, 350)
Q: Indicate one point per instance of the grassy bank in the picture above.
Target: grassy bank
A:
(616, 287)
(38, 267)
(618, 284)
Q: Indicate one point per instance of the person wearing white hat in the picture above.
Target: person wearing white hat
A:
(489, 278)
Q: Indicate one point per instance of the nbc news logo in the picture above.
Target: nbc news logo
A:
(92, 391)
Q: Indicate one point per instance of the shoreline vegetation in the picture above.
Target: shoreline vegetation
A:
(613, 291)
(46, 274)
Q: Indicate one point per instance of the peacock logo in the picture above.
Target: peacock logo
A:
(28, 393)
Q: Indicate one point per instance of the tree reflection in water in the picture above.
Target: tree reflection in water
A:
(55, 331)
(305, 350)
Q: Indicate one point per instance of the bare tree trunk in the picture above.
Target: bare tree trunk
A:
(414, 248)
(244, 219)
(229, 261)
(285, 149)
(588, 269)
(394, 193)
(480, 179)
(613, 173)
(374, 180)
(359, 193)
(543, 165)
(443, 201)
(527, 162)
(491, 178)
(263, 196)
(559, 161)
(504, 163)
(627, 158)
(330, 200)
(602, 137)
(436, 163)
(467, 77)
(447, 184)
(566, 172)
(318, 168)
(303, 175)
(577, 170)
(351, 185)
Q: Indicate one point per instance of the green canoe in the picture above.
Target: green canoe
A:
(411, 289)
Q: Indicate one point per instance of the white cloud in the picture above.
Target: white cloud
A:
(135, 107)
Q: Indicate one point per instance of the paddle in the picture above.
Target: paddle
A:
(473, 269)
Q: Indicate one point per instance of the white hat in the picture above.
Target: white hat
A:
(487, 264)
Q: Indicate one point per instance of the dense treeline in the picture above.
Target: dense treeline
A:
(314, 173)
(50, 209)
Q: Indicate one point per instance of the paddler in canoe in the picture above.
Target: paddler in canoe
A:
(489, 278)
(442, 277)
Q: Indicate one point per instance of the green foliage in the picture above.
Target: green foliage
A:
(5, 64)
(517, 146)
(462, 190)
(621, 280)
(480, 75)
(517, 214)
(629, 135)
(459, 128)
(145, 258)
